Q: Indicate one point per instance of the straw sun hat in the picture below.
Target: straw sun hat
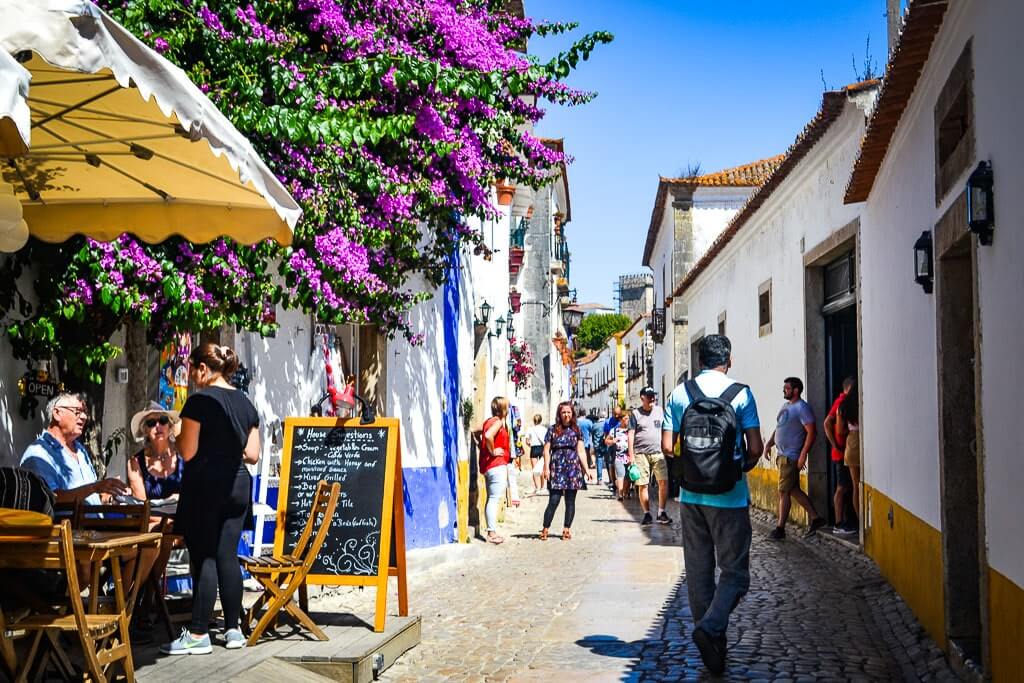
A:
(154, 409)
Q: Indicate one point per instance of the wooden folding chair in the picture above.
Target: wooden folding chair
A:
(282, 575)
(103, 637)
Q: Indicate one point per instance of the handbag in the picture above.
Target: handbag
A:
(633, 472)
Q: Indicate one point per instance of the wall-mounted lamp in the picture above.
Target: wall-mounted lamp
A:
(510, 332)
(499, 325)
(924, 262)
(511, 367)
(485, 313)
(981, 214)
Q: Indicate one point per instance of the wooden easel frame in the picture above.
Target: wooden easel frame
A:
(392, 512)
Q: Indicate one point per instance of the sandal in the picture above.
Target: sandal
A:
(495, 538)
(566, 535)
(543, 534)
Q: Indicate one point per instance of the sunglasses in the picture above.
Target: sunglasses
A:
(154, 421)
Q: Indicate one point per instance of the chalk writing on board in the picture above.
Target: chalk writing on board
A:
(355, 457)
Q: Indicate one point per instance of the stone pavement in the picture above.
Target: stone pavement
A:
(610, 605)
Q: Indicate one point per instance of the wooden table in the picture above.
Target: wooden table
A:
(96, 547)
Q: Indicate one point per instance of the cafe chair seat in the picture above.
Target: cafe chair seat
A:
(282, 575)
(103, 637)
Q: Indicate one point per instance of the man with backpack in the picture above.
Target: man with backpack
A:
(720, 434)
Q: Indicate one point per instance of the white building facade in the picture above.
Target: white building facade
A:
(688, 214)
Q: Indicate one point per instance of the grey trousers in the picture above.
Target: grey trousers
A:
(707, 532)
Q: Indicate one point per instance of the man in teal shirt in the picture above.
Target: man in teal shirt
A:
(715, 525)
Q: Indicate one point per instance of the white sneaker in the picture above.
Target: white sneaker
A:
(233, 639)
(186, 644)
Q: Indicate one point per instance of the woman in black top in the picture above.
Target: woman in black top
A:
(219, 435)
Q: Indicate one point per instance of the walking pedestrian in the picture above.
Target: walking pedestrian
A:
(586, 429)
(644, 444)
(219, 437)
(565, 466)
(610, 423)
(849, 425)
(597, 441)
(494, 460)
(535, 440)
(515, 446)
(715, 516)
(618, 450)
(793, 437)
(840, 470)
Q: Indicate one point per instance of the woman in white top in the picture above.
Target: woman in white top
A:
(535, 440)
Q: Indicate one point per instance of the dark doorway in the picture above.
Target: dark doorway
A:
(962, 522)
(840, 314)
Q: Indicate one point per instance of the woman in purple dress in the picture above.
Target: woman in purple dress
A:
(565, 468)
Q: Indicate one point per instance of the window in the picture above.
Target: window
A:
(721, 323)
(764, 309)
(954, 126)
(694, 352)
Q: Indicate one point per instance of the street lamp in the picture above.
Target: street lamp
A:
(511, 367)
(924, 263)
(485, 313)
(510, 332)
(572, 318)
(498, 325)
(981, 202)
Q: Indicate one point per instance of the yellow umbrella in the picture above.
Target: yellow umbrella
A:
(122, 141)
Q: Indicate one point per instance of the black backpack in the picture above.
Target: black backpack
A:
(708, 441)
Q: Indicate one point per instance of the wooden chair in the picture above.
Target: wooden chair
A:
(103, 637)
(282, 575)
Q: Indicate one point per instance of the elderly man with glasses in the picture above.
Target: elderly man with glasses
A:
(62, 461)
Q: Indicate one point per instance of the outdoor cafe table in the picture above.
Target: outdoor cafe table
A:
(96, 547)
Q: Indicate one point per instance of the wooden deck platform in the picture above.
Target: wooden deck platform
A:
(351, 655)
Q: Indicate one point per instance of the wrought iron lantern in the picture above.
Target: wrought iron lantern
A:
(924, 262)
(510, 332)
(572, 318)
(485, 313)
(499, 324)
(981, 202)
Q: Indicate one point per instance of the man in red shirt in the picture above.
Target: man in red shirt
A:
(844, 484)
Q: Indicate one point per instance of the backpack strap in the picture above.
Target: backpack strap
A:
(693, 391)
(732, 392)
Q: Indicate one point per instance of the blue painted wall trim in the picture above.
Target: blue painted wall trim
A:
(427, 490)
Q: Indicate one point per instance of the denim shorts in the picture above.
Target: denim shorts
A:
(620, 469)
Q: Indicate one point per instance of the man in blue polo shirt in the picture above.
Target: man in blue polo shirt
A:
(715, 525)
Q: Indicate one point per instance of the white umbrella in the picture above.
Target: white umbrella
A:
(122, 140)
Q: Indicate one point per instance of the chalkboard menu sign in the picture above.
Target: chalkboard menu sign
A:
(369, 518)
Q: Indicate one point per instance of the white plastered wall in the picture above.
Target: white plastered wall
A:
(806, 208)
(899, 319)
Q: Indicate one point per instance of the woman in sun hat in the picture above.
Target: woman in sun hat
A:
(155, 471)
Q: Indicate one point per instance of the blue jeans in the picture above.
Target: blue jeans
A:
(599, 462)
(708, 531)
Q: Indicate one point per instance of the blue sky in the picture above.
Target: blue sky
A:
(687, 81)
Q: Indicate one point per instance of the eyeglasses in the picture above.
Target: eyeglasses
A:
(77, 412)
(154, 421)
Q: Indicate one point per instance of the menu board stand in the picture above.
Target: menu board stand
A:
(366, 543)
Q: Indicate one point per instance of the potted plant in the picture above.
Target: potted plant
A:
(506, 191)
(515, 300)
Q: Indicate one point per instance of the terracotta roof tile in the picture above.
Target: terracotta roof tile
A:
(832, 105)
(923, 21)
(753, 174)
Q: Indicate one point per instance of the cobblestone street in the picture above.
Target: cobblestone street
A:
(610, 605)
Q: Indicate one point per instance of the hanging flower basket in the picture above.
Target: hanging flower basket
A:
(515, 300)
(505, 192)
(515, 257)
(520, 364)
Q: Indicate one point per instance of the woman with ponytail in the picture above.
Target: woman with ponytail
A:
(219, 436)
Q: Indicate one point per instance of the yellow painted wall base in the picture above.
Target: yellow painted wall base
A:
(462, 501)
(764, 492)
(909, 554)
(1006, 620)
